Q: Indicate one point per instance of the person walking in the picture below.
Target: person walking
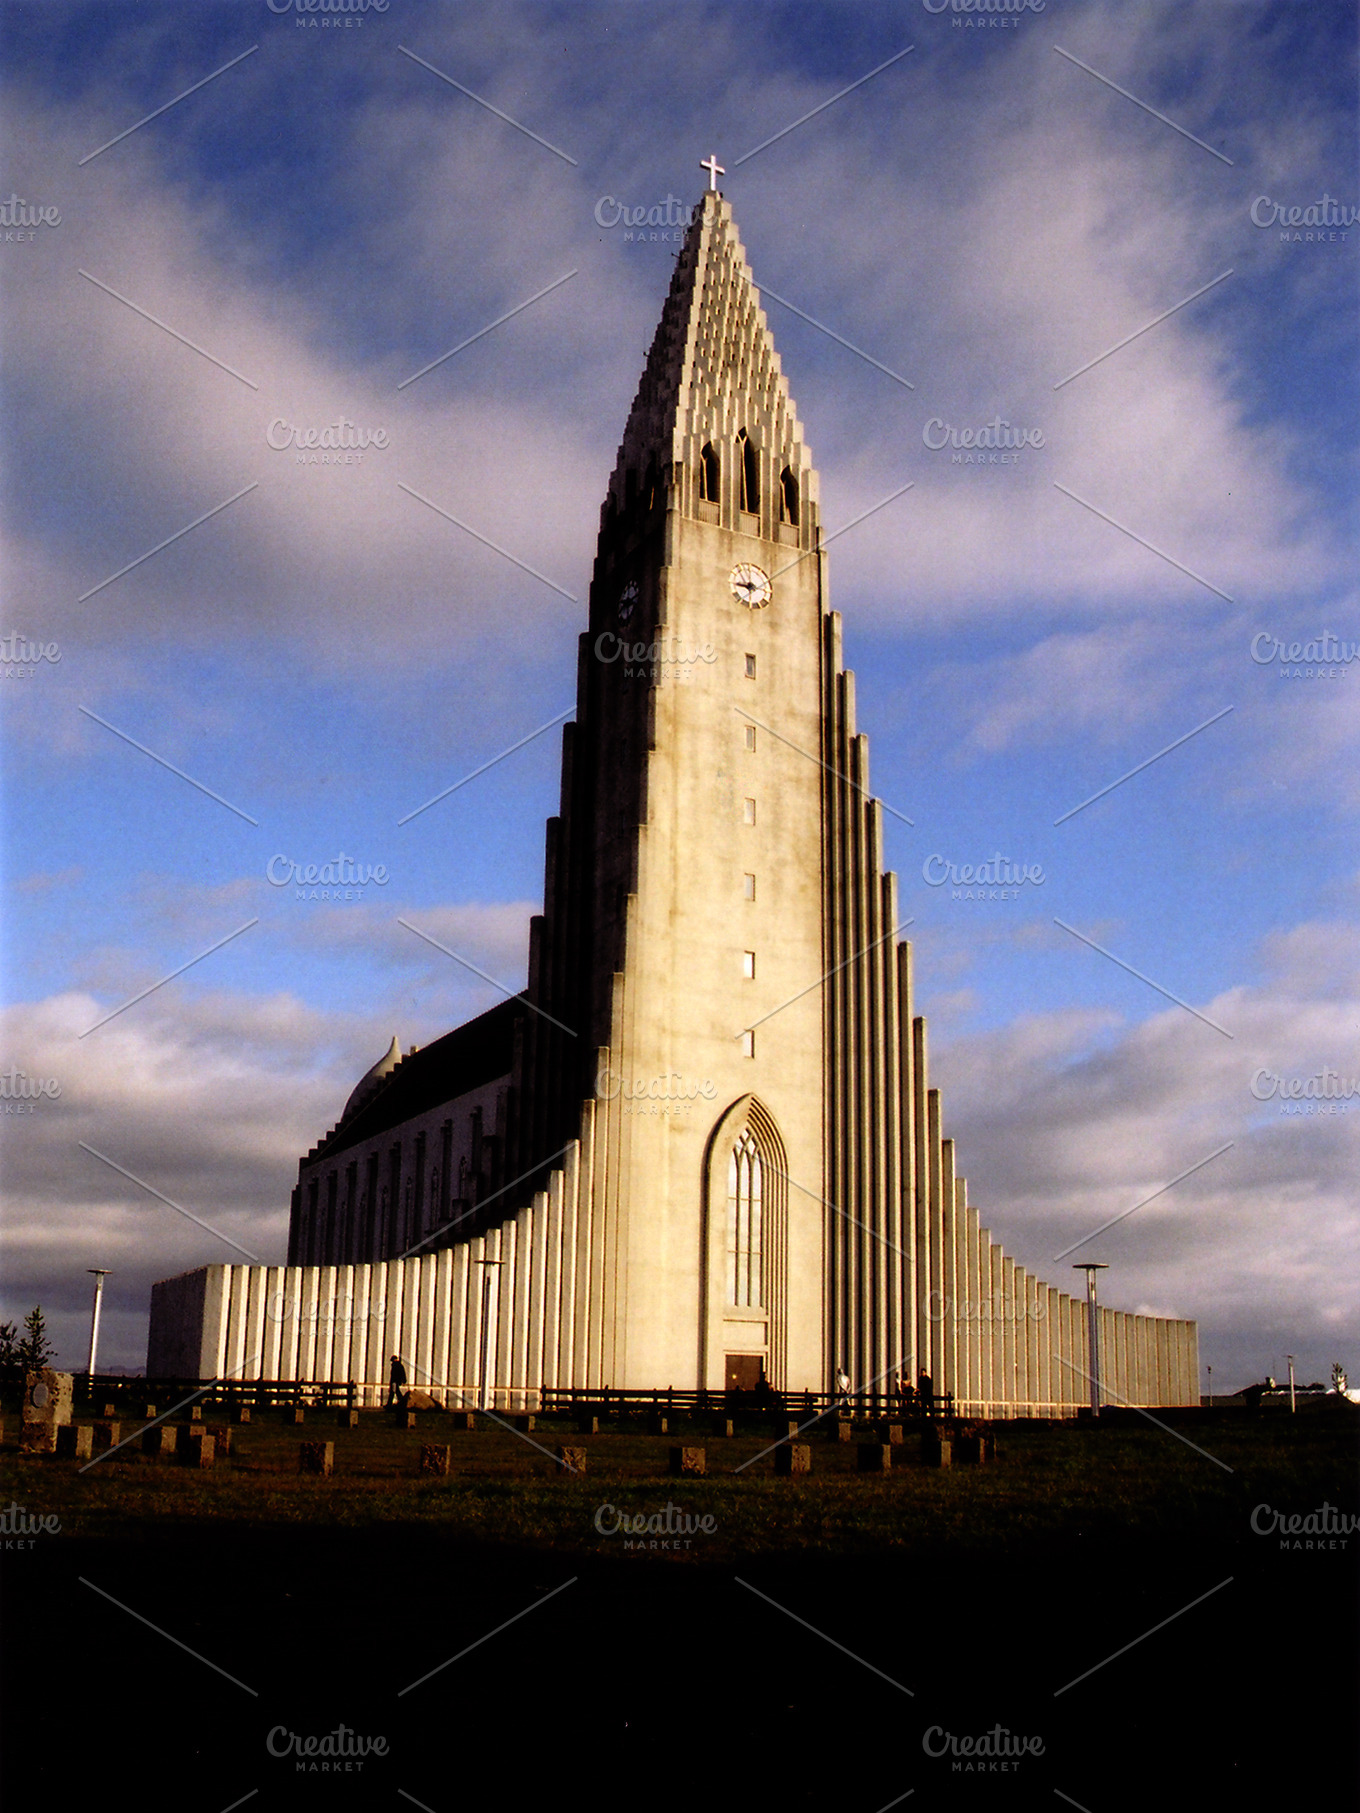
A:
(843, 1391)
(396, 1384)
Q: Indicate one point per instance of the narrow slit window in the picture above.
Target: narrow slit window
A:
(748, 811)
(749, 886)
(788, 498)
(750, 667)
(748, 965)
(708, 475)
(750, 474)
(750, 736)
(748, 1044)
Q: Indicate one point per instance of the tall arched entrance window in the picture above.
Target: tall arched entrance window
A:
(743, 1334)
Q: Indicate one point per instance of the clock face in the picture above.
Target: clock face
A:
(750, 586)
(628, 599)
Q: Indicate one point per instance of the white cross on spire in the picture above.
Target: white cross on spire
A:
(715, 170)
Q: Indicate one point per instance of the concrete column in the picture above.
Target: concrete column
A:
(583, 1291)
(552, 1301)
(1009, 1348)
(439, 1351)
(996, 1332)
(458, 1320)
(949, 1326)
(935, 1237)
(1034, 1347)
(984, 1318)
(519, 1308)
(978, 1283)
(537, 1281)
(906, 1092)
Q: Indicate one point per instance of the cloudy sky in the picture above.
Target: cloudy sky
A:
(324, 215)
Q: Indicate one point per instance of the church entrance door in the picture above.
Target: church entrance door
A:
(742, 1371)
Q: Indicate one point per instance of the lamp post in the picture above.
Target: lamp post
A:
(487, 1390)
(1091, 1267)
(99, 1275)
(1290, 1358)
(1211, 1388)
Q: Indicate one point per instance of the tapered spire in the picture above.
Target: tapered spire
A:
(711, 374)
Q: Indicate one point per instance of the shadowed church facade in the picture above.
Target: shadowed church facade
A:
(701, 1145)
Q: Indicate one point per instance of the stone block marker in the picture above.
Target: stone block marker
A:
(792, 1429)
(347, 1419)
(841, 1430)
(936, 1450)
(435, 1458)
(464, 1419)
(241, 1413)
(109, 1411)
(658, 1425)
(573, 1460)
(688, 1461)
(47, 1406)
(793, 1457)
(148, 1411)
(221, 1436)
(875, 1457)
(892, 1434)
(406, 1419)
(107, 1435)
(160, 1441)
(588, 1425)
(724, 1425)
(200, 1451)
(316, 1457)
(196, 1413)
(75, 1441)
(526, 1424)
(297, 1415)
(974, 1450)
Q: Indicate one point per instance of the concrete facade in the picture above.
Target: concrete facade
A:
(702, 1145)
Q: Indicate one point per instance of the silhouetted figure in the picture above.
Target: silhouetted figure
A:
(925, 1390)
(843, 1390)
(396, 1384)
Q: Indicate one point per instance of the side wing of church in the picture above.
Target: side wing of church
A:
(701, 1147)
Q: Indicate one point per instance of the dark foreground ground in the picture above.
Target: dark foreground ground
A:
(801, 1651)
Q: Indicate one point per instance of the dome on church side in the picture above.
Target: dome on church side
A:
(367, 1086)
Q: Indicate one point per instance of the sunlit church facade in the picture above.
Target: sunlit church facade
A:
(701, 1147)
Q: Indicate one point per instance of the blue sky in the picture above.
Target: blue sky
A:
(983, 217)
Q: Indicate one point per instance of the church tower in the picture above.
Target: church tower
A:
(684, 932)
(701, 1148)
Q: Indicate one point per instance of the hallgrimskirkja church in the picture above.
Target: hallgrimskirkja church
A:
(700, 1150)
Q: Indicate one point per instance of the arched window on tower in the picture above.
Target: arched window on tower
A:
(750, 474)
(788, 498)
(708, 475)
(745, 1232)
